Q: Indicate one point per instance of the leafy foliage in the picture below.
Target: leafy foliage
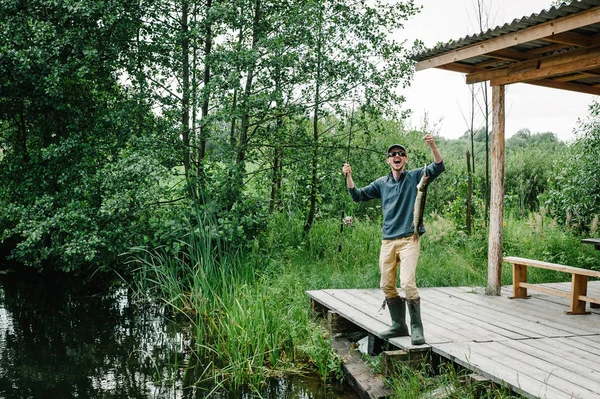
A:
(77, 170)
(575, 192)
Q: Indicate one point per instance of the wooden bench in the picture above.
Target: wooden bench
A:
(578, 295)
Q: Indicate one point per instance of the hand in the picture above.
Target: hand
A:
(429, 140)
(437, 157)
(347, 170)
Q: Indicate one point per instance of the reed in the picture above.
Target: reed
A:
(249, 315)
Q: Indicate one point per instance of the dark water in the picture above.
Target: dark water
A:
(61, 340)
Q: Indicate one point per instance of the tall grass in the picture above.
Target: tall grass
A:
(249, 314)
(248, 321)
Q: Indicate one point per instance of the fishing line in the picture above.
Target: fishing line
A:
(342, 221)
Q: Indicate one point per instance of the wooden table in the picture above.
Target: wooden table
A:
(593, 241)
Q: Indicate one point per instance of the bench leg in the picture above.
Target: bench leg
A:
(519, 276)
(578, 287)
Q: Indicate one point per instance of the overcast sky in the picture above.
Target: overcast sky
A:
(444, 96)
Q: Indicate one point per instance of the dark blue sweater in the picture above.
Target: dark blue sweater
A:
(397, 199)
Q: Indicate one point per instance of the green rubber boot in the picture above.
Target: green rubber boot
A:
(416, 325)
(397, 309)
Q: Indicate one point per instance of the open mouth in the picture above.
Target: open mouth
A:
(397, 162)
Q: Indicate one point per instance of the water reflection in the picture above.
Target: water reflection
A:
(61, 339)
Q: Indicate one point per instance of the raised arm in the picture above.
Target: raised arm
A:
(437, 156)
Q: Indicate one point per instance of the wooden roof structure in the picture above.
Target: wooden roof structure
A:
(557, 48)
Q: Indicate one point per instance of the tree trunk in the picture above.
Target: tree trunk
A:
(203, 133)
(315, 164)
(185, 97)
(469, 192)
(245, 119)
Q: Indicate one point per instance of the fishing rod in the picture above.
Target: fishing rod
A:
(342, 221)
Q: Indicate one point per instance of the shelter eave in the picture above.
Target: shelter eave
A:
(559, 48)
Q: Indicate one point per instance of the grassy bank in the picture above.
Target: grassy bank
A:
(251, 318)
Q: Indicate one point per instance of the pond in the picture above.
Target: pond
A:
(62, 339)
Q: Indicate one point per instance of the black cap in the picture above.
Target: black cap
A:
(396, 146)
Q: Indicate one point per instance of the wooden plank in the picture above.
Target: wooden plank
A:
(576, 87)
(545, 72)
(562, 352)
(548, 313)
(528, 316)
(349, 312)
(536, 32)
(575, 76)
(476, 307)
(551, 48)
(433, 333)
(510, 55)
(529, 365)
(368, 315)
(593, 290)
(567, 59)
(588, 298)
(545, 358)
(475, 328)
(479, 307)
(551, 266)
(371, 303)
(358, 375)
(545, 290)
(568, 366)
(589, 343)
(571, 39)
(592, 241)
(516, 374)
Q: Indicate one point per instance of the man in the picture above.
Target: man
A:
(398, 191)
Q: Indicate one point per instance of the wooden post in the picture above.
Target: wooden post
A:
(497, 200)
(519, 276)
(578, 288)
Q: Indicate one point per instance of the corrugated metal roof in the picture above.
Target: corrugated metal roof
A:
(517, 25)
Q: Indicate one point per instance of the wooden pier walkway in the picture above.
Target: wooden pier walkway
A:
(529, 345)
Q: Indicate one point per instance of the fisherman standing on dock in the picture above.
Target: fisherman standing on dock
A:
(400, 245)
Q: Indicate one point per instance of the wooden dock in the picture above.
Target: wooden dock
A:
(529, 345)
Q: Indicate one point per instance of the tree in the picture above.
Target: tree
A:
(68, 129)
(354, 54)
(574, 196)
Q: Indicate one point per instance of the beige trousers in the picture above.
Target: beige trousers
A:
(403, 252)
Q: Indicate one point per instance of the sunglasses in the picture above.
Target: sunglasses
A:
(394, 153)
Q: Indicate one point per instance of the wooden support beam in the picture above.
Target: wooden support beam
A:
(317, 307)
(544, 72)
(497, 196)
(567, 86)
(538, 67)
(570, 38)
(541, 31)
(338, 324)
(511, 55)
(462, 68)
(574, 76)
(393, 361)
